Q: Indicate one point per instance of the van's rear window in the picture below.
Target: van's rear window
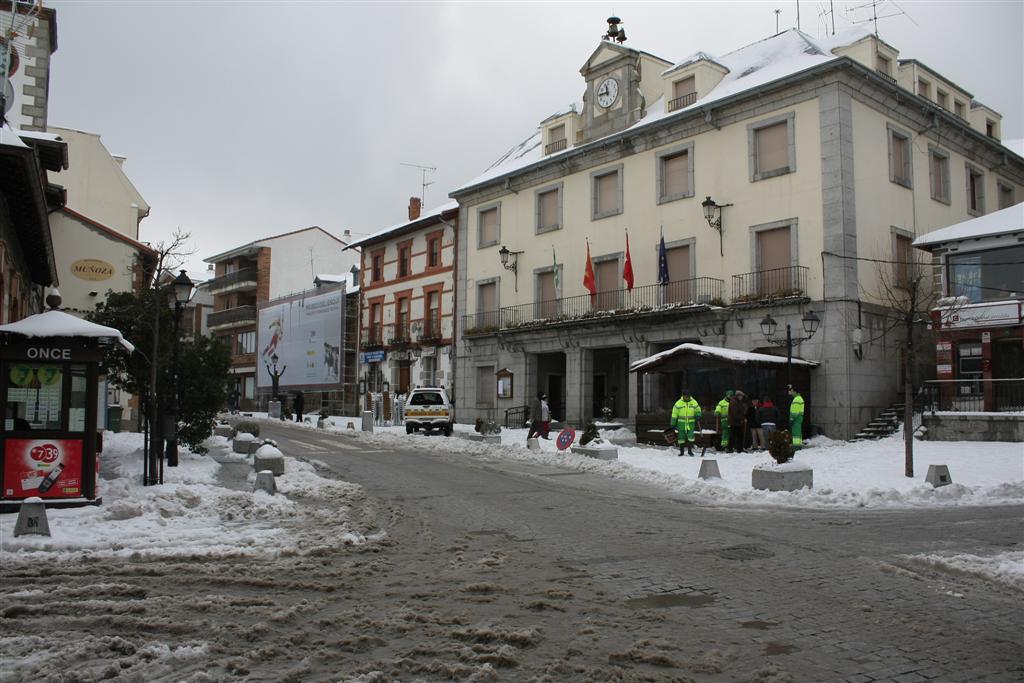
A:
(426, 398)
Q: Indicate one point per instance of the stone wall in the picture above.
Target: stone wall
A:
(974, 427)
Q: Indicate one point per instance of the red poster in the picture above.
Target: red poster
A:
(48, 468)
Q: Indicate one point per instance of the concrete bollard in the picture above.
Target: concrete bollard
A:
(367, 420)
(938, 475)
(533, 444)
(32, 518)
(268, 458)
(265, 482)
(222, 430)
(243, 443)
(709, 470)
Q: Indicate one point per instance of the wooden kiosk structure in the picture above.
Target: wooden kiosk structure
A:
(49, 395)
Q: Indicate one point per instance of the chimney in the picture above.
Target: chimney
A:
(346, 236)
(414, 208)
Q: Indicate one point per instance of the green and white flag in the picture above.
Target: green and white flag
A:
(554, 262)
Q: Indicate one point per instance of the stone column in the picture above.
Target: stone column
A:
(579, 386)
(637, 351)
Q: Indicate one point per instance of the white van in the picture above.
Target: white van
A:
(429, 408)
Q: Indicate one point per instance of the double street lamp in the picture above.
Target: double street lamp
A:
(768, 326)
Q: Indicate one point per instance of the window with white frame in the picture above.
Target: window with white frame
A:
(606, 193)
(772, 151)
(674, 173)
(938, 172)
(901, 169)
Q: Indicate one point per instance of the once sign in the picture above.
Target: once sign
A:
(92, 269)
(48, 353)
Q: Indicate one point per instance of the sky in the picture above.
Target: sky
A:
(242, 120)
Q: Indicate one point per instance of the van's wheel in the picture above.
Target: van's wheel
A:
(409, 429)
(448, 430)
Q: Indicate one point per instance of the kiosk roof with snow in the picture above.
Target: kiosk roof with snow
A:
(672, 360)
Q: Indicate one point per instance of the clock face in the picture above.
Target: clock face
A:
(607, 92)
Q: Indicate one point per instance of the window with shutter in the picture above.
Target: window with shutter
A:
(772, 148)
(607, 275)
(774, 259)
(488, 226)
(607, 195)
(549, 210)
(678, 289)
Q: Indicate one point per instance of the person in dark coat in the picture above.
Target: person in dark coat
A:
(768, 415)
(299, 403)
(536, 428)
(737, 422)
(757, 442)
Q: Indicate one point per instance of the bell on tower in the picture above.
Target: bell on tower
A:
(615, 32)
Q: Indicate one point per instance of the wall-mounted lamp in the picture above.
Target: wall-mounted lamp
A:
(362, 386)
(504, 253)
(386, 387)
(857, 336)
(768, 326)
(713, 215)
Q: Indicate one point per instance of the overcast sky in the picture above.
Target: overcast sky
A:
(242, 120)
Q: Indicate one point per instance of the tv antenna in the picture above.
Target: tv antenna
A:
(777, 13)
(423, 179)
(873, 4)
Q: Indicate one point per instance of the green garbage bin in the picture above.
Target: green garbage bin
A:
(114, 418)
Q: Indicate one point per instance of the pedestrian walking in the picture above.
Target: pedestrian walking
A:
(233, 398)
(796, 417)
(545, 417)
(535, 411)
(737, 418)
(757, 441)
(299, 403)
(722, 420)
(685, 418)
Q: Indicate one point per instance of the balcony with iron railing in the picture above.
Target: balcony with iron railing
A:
(232, 317)
(683, 101)
(431, 330)
(698, 293)
(885, 76)
(973, 395)
(397, 334)
(763, 286)
(245, 278)
(555, 146)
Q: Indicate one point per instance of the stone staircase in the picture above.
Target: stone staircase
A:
(886, 423)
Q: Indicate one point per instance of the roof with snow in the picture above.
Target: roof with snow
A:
(61, 324)
(253, 246)
(426, 217)
(758, 64)
(661, 361)
(1004, 221)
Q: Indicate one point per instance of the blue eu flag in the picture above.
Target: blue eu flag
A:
(662, 263)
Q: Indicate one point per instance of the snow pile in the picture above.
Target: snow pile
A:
(191, 514)
(1005, 568)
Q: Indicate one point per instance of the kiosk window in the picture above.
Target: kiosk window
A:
(76, 409)
(34, 396)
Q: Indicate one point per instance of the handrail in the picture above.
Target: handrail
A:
(769, 285)
(243, 275)
(232, 315)
(682, 101)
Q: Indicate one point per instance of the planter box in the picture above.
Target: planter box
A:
(603, 452)
(222, 430)
(788, 477)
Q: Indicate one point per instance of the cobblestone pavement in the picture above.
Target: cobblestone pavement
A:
(751, 594)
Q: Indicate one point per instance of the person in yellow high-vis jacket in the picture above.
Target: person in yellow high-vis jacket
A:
(685, 418)
(722, 419)
(796, 417)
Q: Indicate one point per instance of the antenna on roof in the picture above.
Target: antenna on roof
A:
(423, 179)
(873, 4)
(777, 13)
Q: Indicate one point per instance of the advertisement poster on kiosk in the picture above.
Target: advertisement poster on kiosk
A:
(305, 333)
(48, 468)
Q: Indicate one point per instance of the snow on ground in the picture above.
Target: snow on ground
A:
(1005, 568)
(190, 514)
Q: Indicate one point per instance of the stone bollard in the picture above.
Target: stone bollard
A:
(268, 458)
(222, 430)
(243, 443)
(367, 420)
(533, 444)
(265, 482)
(709, 470)
(32, 518)
(938, 475)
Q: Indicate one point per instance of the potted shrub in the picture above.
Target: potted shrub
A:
(783, 474)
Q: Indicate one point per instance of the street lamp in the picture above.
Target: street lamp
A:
(275, 376)
(768, 326)
(182, 293)
(503, 254)
(713, 215)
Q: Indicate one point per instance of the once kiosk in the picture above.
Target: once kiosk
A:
(49, 381)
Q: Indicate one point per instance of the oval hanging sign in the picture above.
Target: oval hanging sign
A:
(92, 269)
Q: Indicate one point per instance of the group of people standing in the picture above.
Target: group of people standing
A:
(741, 422)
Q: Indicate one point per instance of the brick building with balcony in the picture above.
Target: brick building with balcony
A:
(258, 272)
(776, 175)
(407, 307)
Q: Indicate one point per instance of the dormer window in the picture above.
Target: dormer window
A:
(924, 88)
(991, 129)
(684, 93)
(556, 139)
(942, 99)
(959, 108)
(883, 65)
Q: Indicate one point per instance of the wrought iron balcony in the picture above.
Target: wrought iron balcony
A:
(431, 330)
(886, 76)
(240, 279)
(680, 102)
(397, 334)
(696, 292)
(232, 317)
(769, 285)
(555, 146)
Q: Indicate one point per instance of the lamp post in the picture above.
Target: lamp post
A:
(503, 254)
(713, 215)
(768, 326)
(182, 293)
(275, 378)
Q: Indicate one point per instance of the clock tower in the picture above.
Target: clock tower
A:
(615, 97)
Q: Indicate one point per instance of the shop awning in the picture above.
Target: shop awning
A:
(61, 324)
(675, 358)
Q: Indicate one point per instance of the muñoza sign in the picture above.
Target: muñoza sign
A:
(92, 269)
